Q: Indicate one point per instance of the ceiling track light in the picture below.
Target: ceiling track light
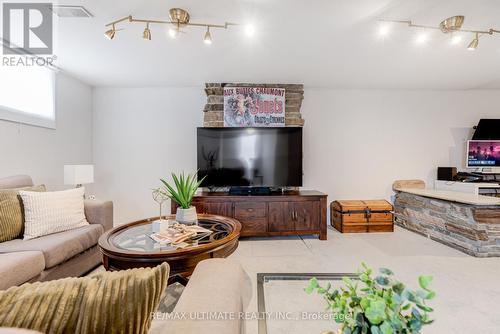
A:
(451, 25)
(455, 39)
(173, 32)
(110, 34)
(147, 33)
(208, 37)
(178, 18)
(474, 44)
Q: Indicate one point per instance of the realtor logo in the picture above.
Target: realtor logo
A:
(27, 28)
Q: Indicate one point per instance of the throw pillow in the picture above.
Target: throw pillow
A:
(11, 212)
(52, 212)
(111, 302)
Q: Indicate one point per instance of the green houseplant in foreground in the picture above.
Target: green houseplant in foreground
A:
(182, 192)
(377, 305)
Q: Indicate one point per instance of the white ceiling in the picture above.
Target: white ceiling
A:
(321, 43)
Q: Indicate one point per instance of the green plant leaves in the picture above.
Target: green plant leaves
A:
(347, 281)
(386, 328)
(424, 307)
(381, 305)
(398, 288)
(375, 312)
(385, 271)
(313, 284)
(382, 280)
(183, 189)
(424, 281)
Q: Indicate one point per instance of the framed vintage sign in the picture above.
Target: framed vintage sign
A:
(254, 107)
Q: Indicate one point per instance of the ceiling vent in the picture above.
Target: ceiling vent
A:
(70, 11)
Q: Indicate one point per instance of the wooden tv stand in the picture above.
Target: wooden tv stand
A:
(291, 213)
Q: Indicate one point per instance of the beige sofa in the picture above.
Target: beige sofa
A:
(218, 286)
(69, 253)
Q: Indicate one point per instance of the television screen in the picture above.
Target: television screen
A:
(262, 157)
(483, 153)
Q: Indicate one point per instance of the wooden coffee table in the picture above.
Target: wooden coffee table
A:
(129, 246)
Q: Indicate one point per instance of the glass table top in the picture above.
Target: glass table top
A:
(137, 238)
(290, 310)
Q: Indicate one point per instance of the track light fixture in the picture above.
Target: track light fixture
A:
(473, 45)
(173, 32)
(110, 34)
(208, 37)
(147, 33)
(178, 19)
(457, 39)
(451, 25)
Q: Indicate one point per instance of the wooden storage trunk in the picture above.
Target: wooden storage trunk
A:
(358, 216)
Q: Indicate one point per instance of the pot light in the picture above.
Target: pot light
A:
(208, 37)
(147, 33)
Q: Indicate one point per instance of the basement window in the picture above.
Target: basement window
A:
(27, 95)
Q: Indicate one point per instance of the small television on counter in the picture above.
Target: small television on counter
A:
(250, 157)
(483, 154)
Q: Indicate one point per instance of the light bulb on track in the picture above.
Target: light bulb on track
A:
(147, 33)
(208, 37)
(110, 34)
(474, 44)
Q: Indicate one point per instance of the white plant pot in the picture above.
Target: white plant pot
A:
(187, 216)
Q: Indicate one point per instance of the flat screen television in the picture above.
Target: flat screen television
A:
(483, 154)
(250, 157)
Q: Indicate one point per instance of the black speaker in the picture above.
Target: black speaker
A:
(447, 173)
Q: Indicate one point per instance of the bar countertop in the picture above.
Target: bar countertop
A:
(454, 196)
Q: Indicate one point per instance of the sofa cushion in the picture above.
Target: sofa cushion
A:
(11, 212)
(53, 211)
(57, 247)
(217, 286)
(19, 267)
(16, 181)
(111, 302)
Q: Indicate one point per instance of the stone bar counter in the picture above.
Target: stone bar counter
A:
(469, 223)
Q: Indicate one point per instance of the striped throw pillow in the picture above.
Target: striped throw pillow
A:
(109, 303)
(52, 211)
(12, 212)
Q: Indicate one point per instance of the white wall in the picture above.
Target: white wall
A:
(140, 136)
(42, 152)
(356, 143)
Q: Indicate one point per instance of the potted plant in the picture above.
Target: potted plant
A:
(377, 305)
(182, 192)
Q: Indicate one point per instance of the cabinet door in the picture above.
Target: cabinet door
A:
(281, 217)
(219, 208)
(306, 215)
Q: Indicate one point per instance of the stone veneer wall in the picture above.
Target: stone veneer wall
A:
(472, 229)
(214, 109)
